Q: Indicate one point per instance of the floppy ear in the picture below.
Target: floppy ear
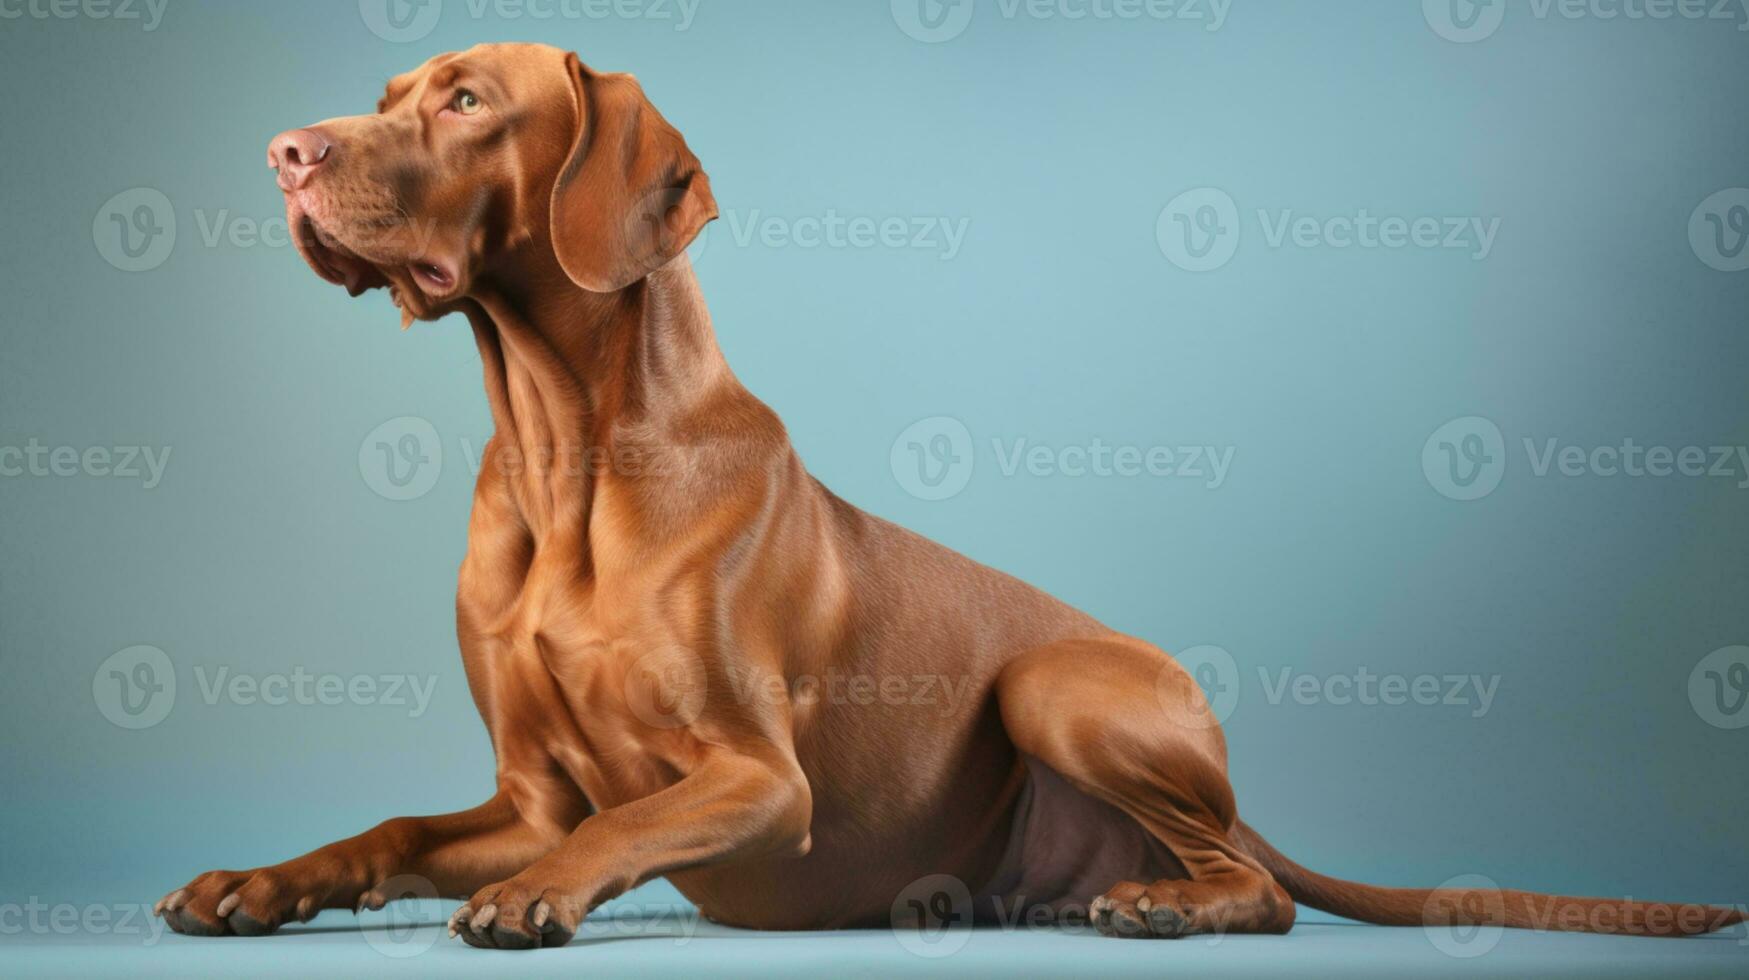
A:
(632, 196)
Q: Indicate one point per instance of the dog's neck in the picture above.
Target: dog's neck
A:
(588, 386)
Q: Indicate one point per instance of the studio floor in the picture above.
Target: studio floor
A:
(658, 942)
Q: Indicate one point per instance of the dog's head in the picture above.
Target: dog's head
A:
(476, 157)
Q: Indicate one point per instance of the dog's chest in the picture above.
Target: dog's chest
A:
(563, 695)
(573, 670)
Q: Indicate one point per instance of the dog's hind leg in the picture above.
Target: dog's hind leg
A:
(1124, 723)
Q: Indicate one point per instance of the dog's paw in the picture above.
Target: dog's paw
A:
(237, 903)
(1132, 911)
(518, 914)
(1174, 908)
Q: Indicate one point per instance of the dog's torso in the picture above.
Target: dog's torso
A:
(615, 615)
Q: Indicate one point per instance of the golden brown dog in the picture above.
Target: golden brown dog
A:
(693, 659)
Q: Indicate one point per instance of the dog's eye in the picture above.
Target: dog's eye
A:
(466, 102)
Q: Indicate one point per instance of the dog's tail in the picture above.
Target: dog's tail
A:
(1480, 907)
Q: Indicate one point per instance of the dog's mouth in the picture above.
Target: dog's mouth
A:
(334, 261)
(435, 277)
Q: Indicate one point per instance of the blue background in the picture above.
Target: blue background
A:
(1059, 321)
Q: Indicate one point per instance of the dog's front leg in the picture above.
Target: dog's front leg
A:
(455, 853)
(731, 807)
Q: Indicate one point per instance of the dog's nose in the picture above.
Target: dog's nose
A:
(296, 153)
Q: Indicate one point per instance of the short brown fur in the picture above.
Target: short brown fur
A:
(651, 576)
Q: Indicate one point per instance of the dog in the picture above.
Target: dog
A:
(694, 660)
